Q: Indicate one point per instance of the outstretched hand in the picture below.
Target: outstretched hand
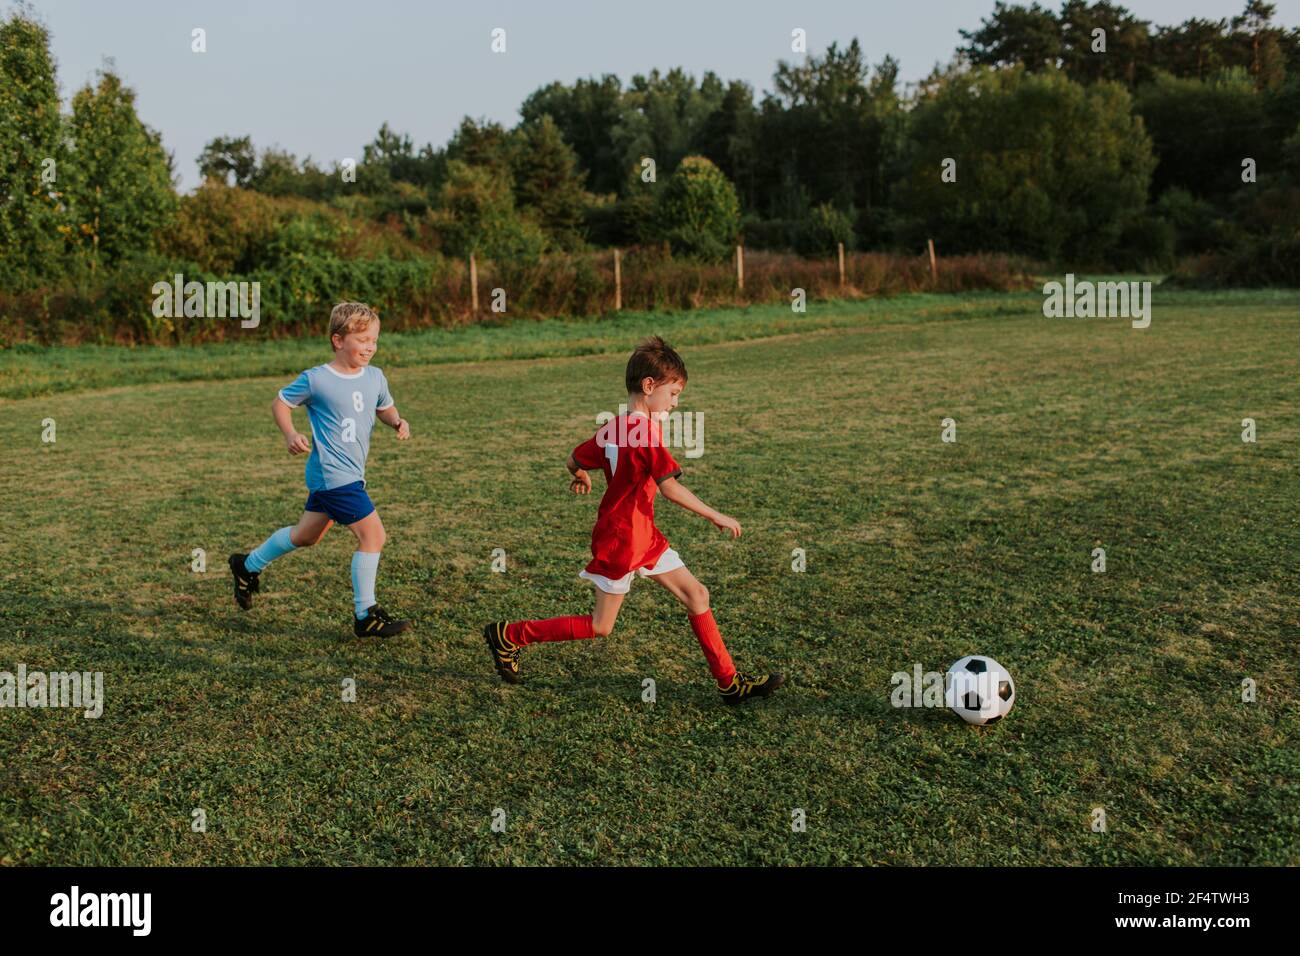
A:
(727, 523)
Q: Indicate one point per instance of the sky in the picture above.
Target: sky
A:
(318, 78)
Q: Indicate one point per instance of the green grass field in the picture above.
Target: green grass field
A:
(823, 435)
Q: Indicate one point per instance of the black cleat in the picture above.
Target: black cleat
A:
(377, 623)
(743, 687)
(246, 582)
(505, 652)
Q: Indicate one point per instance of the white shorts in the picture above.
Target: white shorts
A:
(670, 560)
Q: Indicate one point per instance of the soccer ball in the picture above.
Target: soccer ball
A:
(979, 689)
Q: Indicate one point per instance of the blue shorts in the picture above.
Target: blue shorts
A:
(346, 504)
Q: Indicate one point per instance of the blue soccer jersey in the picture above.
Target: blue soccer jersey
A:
(341, 409)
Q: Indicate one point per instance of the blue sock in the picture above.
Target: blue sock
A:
(365, 565)
(269, 550)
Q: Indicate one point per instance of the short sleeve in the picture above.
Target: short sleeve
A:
(589, 454)
(385, 399)
(662, 464)
(297, 392)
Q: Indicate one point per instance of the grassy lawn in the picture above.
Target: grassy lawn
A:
(822, 433)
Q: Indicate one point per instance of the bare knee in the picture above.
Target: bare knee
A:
(697, 599)
(300, 539)
(601, 628)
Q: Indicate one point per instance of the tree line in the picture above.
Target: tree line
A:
(1082, 136)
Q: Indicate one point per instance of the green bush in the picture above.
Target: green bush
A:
(823, 230)
(299, 298)
(771, 234)
(1269, 259)
(295, 300)
(1198, 224)
(627, 221)
(637, 220)
(116, 306)
(698, 211)
(230, 230)
(1264, 249)
(1147, 243)
(305, 236)
(602, 224)
(477, 214)
(226, 230)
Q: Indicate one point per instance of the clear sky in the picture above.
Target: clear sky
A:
(318, 78)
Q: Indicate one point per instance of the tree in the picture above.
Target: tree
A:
(1195, 48)
(728, 138)
(662, 117)
(823, 229)
(1291, 156)
(586, 115)
(1030, 36)
(1043, 165)
(119, 183)
(1260, 45)
(277, 174)
(829, 132)
(390, 158)
(226, 157)
(477, 214)
(1128, 41)
(698, 212)
(486, 145)
(1036, 38)
(32, 166)
(548, 182)
(1202, 130)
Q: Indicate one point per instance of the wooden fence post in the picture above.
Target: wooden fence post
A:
(618, 282)
(841, 245)
(473, 285)
(740, 268)
(934, 268)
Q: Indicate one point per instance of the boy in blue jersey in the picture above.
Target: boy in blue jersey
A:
(343, 399)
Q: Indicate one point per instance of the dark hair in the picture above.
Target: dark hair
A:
(654, 358)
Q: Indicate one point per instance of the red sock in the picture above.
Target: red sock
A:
(706, 630)
(574, 628)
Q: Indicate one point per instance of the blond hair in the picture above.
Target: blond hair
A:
(348, 317)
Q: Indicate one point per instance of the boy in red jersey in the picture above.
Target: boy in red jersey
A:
(625, 543)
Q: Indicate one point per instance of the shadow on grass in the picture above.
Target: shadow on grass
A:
(263, 645)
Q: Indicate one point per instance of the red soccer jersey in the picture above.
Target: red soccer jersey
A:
(630, 450)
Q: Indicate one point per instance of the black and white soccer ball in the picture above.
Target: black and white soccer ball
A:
(979, 689)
